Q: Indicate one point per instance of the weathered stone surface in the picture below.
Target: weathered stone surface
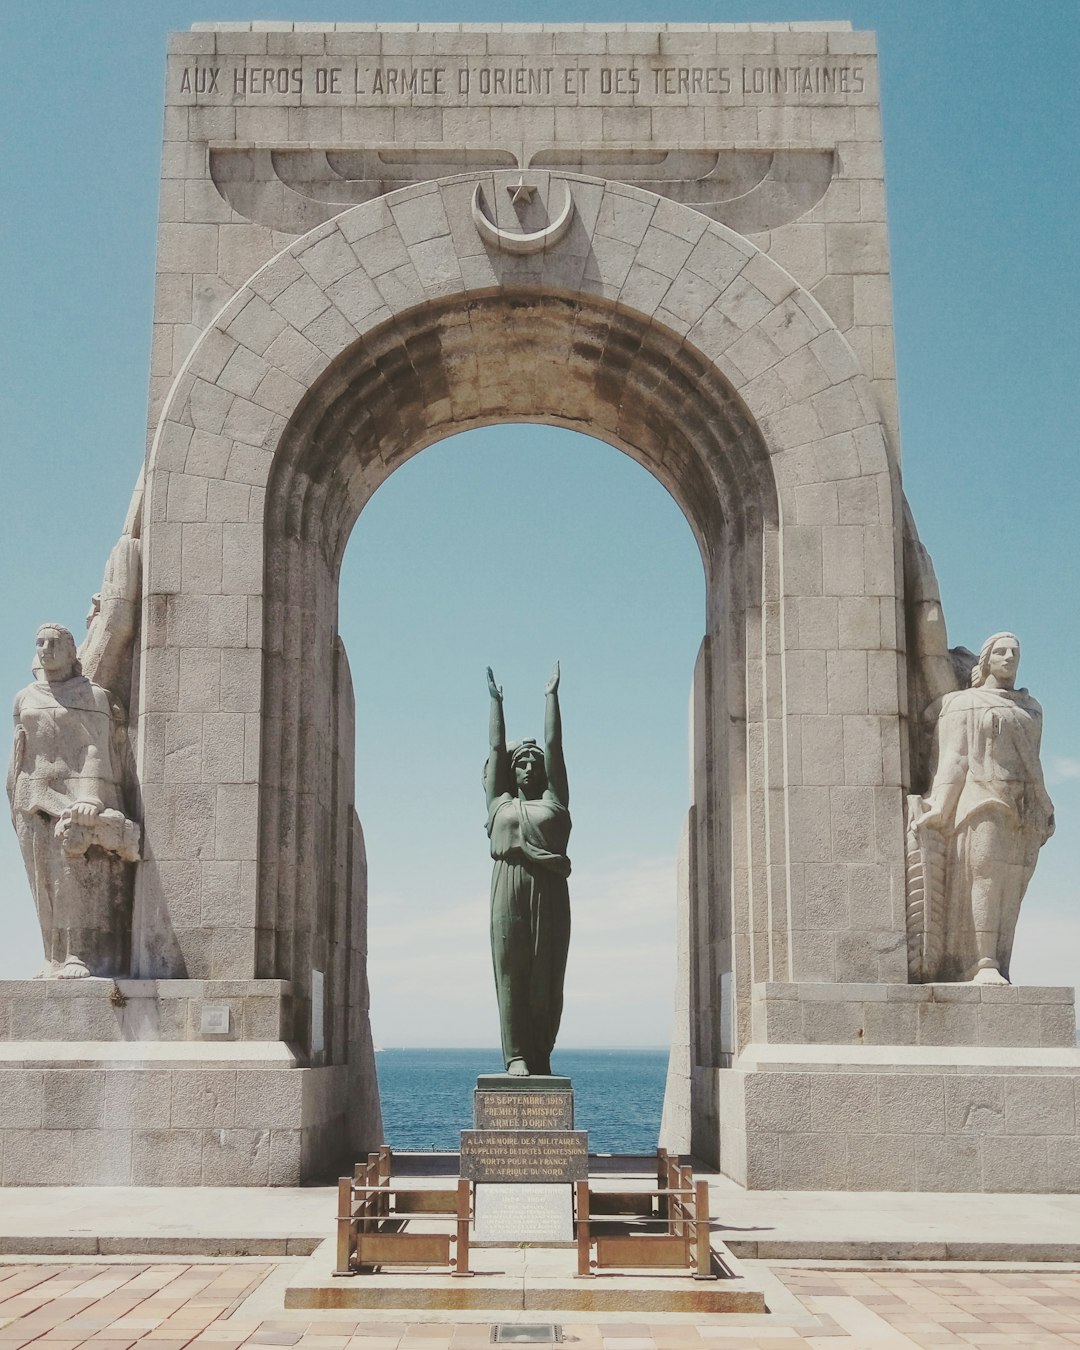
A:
(169, 1122)
(534, 1213)
(817, 1013)
(151, 1010)
(904, 1120)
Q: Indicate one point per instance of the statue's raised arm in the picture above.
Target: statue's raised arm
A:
(496, 767)
(554, 764)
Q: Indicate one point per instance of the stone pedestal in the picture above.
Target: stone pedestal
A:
(524, 1155)
(901, 1088)
(161, 1082)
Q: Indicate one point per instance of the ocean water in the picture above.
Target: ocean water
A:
(427, 1095)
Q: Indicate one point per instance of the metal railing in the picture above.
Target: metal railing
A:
(673, 1233)
(372, 1215)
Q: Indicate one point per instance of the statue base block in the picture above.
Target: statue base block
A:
(96, 1009)
(864, 1087)
(524, 1156)
(167, 1083)
(889, 1119)
(914, 1014)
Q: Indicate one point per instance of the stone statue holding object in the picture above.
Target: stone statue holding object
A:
(528, 824)
(71, 785)
(973, 841)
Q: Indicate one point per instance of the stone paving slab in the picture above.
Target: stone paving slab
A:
(226, 1221)
(225, 1305)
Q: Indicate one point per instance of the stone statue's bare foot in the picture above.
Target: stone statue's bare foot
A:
(517, 1068)
(989, 975)
(72, 969)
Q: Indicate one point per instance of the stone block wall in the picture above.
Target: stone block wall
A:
(155, 1123)
(142, 1010)
(913, 1014)
(890, 1087)
(906, 1126)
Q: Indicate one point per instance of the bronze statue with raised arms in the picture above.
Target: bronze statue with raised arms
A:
(528, 824)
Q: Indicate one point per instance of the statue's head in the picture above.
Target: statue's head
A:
(999, 657)
(55, 654)
(527, 769)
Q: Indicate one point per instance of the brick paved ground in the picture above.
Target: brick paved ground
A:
(176, 1304)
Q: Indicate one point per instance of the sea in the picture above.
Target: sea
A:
(426, 1095)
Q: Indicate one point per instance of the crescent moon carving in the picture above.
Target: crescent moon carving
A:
(522, 243)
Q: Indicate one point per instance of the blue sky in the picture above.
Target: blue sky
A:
(521, 544)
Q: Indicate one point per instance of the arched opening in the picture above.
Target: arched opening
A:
(513, 545)
(581, 364)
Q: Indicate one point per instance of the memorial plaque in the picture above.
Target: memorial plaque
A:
(533, 1213)
(523, 1110)
(519, 1156)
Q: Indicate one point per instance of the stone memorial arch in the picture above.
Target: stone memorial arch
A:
(316, 417)
(672, 239)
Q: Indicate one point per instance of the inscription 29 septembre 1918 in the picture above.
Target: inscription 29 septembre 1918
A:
(523, 1110)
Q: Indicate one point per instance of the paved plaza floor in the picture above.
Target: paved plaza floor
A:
(223, 1304)
(161, 1269)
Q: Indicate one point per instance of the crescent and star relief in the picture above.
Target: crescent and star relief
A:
(531, 242)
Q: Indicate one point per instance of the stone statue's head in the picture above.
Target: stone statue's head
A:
(1006, 660)
(527, 771)
(55, 654)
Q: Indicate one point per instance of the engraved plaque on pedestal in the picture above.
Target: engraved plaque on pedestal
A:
(523, 1110)
(524, 1156)
(506, 1213)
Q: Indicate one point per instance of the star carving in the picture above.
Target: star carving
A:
(521, 191)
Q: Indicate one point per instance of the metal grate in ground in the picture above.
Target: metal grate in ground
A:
(526, 1333)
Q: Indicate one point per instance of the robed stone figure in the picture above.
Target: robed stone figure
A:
(976, 836)
(70, 785)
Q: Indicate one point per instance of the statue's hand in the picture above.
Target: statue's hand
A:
(930, 817)
(553, 683)
(83, 812)
(493, 689)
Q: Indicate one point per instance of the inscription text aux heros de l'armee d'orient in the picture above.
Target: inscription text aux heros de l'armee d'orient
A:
(346, 81)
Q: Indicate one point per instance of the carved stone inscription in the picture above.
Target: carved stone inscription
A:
(558, 80)
(523, 1110)
(524, 1155)
(523, 1214)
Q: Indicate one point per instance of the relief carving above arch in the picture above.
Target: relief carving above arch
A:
(293, 190)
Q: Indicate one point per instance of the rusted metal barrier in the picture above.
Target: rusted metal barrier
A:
(372, 1216)
(678, 1239)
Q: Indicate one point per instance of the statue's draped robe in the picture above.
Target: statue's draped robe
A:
(530, 922)
(70, 745)
(987, 777)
